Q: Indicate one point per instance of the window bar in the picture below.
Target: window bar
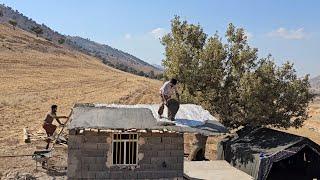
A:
(129, 155)
(120, 157)
(131, 151)
(116, 148)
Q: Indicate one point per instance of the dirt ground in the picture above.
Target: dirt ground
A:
(34, 74)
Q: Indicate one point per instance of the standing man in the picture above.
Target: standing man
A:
(48, 126)
(166, 91)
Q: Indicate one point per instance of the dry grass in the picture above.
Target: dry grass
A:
(35, 74)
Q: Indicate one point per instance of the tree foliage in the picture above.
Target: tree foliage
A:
(61, 41)
(229, 79)
(13, 23)
(38, 30)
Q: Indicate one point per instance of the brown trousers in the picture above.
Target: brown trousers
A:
(173, 107)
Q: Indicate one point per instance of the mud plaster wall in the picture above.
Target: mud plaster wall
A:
(210, 148)
(160, 156)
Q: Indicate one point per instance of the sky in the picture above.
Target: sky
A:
(287, 29)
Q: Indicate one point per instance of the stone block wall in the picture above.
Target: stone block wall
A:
(210, 147)
(160, 155)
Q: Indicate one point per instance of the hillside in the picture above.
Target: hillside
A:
(35, 73)
(108, 55)
(315, 84)
(112, 57)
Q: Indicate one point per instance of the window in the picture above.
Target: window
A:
(125, 148)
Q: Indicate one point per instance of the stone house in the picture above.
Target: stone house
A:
(129, 142)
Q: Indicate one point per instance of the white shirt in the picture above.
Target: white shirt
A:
(168, 88)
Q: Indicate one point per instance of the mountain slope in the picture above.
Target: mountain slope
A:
(111, 56)
(315, 84)
(35, 73)
(108, 55)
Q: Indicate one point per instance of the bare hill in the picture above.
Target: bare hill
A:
(108, 55)
(315, 84)
(35, 73)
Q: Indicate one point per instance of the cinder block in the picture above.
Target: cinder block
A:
(116, 175)
(177, 140)
(151, 153)
(158, 147)
(156, 160)
(180, 147)
(130, 175)
(96, 167)
(72, 171)
(89, 146)
(91, 175)
(166, 140)
(170, 146)
(102, 146)
(180, 159)
(145, 175)
(165, 175)
(102, 138)
(102, 175)
(85, 167)
(176, 166)
(169, 174)
(170, 160)
(144, 166)
(153, 140)
(91, 139)
(163, 153)
(145, 160)
(88, 160)
(145, 147)
(101, 160)
(94, 153)
(176, 153)
(74, 155)
(180, 173)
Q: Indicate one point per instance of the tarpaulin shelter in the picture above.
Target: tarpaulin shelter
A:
(266, 153)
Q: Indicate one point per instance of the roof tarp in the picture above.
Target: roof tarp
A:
(254, 150)
(190, 118)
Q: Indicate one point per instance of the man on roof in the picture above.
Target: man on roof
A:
(166, 92)
(47, 124)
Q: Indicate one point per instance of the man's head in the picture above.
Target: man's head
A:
(173, 81)
(54, 108)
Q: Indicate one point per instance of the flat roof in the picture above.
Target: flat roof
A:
(190, 118)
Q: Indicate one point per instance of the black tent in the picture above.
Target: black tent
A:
(266, 153)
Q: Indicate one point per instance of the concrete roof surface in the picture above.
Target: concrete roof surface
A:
(217, 170)
(190, 118)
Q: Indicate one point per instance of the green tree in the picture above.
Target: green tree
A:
(151, 74)
(61, 41)
(229, 79)
(13, 23)
(38, 30)
(182, 47)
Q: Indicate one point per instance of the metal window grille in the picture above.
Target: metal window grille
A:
(125, 148)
